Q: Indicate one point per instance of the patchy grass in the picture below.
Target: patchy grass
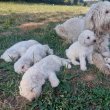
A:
(77, 90)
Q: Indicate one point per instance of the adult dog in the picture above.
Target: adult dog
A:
(97, 19)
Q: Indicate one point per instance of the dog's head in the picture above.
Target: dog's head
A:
(31, 85)
(10, 56)
(87, 38)
(60, 30)
(29, 91)
(21, 66)
(98, 17)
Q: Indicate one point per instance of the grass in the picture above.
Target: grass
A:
(34, 8)
(77, 90)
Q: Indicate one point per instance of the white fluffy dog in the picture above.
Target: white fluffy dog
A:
(32, 81)
(81, 49)
(70, 29)
(34, 54)
(17, 50)
(98, 20)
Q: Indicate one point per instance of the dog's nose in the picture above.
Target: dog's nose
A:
(94, 40)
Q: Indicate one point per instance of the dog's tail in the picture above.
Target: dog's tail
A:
(98, 60)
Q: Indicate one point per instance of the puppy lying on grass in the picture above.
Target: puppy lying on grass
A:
(34, 78)
(17, 50)
(34, 54)
(81, 49)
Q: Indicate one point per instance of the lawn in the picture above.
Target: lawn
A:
(77, 90)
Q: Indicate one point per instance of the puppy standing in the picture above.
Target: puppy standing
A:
(34, 54)
(17, 50)
(32, 81)
(81, 49)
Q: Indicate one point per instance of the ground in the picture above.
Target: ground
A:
(77, 90)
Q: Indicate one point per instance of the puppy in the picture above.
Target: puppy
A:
(17, 50)
(34, 54)
(32, 81)
(81, 49)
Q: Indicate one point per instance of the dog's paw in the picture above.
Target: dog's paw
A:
(108, 65)
(83, 68)
(55, 83)
(107, 60)
(75, 63)
(106, 54)
(69, 66)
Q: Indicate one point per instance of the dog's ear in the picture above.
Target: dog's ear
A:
(81, 39)
(60, 28)
(89, 18)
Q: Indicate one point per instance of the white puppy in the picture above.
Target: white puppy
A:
(17, 50)
(81, 49)
(34, 54)
(70, 29)
(32, 81)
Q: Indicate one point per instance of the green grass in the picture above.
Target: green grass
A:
(10, 7)
(77, 90)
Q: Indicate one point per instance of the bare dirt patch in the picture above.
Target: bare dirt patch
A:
(33, 25)
(30, 26)
(13, 103)
(89, 77)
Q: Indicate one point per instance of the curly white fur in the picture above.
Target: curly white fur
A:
(70, 29)
(97, 19)
(17, 50)
(34, 54)
(81, 49)
(32, 81)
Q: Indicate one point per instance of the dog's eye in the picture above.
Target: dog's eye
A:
(106, 11)
(88, 37)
